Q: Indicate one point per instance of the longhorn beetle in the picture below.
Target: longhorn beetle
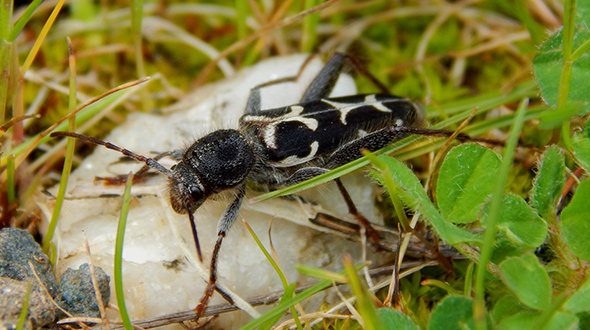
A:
(280, 147)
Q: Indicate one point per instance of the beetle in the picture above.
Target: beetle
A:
(279, 147)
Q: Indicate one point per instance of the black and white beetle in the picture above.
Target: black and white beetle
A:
(279, 147)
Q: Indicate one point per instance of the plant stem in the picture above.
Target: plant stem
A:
(5, 50)
(566, 72)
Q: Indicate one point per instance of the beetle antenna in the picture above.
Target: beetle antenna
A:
(147, 160)
(440, 132)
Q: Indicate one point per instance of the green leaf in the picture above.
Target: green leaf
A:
(549, 182)
(412, 194)
(529, 320)
(454, 312)
(579, 302)
(520, 222)
(504, 249)
(563, 321)
(529, 281)
(519, 321)
(581, 143)
(395, 320)
(465, 181)
(505, 307)
(575, 222)
(548, 64)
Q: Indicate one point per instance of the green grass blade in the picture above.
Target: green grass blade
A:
(242, 14)
(5, 18)
(24, 19)
(274, 265)
(39, 40)
(10, 179)
(310, 25)
(283, 306)
(442, 285)
(118, 271)
(491, 230)
(70, 146)
(322, 274)
(488, 100)
(24, 312)
(6, 7)
(136, 32)
(364, 304)
(286, 286)
(83, 114)
(5, 55)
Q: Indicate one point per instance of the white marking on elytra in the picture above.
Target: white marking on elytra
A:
(294, 111)
(311, 123)
(294, 160)
(345, 108)
(270, 131)
(399, 122)
(256, 119)
(268, 136)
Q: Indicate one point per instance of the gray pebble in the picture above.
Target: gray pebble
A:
(77, 291)
(41, 311)
(18, 250)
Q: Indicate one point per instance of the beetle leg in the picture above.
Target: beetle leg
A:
(310, 172)
(301, 175)
(371, 232)
(225, 222)
(372, 142)
(324, 82)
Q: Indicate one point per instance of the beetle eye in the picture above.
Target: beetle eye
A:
(196, 193)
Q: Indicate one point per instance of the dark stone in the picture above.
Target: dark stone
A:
(77, 292)
(18, 251)
(41, 311)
